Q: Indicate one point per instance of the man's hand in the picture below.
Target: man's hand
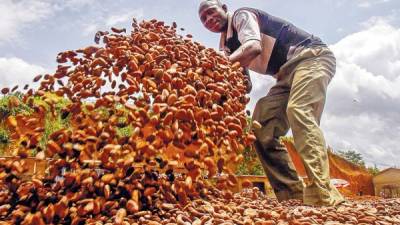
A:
(247, 80)
(246, 52)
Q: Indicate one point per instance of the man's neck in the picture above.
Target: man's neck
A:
(225, 28)
(226, 33)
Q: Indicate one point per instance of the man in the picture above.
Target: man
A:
(303, 67)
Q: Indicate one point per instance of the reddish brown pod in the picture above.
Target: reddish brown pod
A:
(129, 129)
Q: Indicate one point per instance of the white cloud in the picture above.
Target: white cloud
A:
(90, 29)
(358, 3)
(15, 71)
(370, 3)
(340, 30)
(15, 15)
(363, 107)
(124, 17)
(76, 4)
(261, 85)
(105, 21)
(376, 49)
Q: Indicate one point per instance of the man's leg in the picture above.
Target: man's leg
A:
(270, 112)
(306, 102)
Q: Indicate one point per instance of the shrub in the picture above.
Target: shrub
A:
(4, 136)
(4, 140)
(125, 131)
(53, 123)
(251, 164)
(5, 109)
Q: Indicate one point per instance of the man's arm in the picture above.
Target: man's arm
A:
(249, 35)
(246, 52)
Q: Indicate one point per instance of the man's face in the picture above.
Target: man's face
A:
(213, 16)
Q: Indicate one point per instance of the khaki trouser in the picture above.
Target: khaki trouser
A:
(297, 101)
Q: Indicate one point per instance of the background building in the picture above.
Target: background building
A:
(387, 183)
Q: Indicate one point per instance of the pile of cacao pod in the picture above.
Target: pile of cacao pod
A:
(184, 104)
(184, 107)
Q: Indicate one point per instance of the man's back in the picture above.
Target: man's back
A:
(283, 35)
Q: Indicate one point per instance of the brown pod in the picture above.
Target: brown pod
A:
(149, 191)
(178, 106)
(61, 208)
(236, 66)
(166, 77)
(150, 83)
(37, 78)
(132, 206)
(69, 179)
(120, 216)
(107, 191)
(108, 178)
(182, 197)
(172, 99)
(235, 127)
(118, 30)
(11, 121)
(4, 209)
(151, 36)
(158, 73)
(181, 114)
(133, 65)
(5, 91)
(53, 148)
(159, 107)
(98, 62)
(88, 208)
(97, 205)
(211, 167)
(250, 138)
(113, 84)
(36, 219)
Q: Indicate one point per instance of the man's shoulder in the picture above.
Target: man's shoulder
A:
(244, 10)
(244, 13)
(256, 12)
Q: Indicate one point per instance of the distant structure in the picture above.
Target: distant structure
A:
(387, 183)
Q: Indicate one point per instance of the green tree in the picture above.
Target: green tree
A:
(373, 170)
(6, 109)
(353, 156)
(251, 165)
(4, 140)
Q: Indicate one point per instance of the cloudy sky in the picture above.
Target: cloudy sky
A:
(363, 108)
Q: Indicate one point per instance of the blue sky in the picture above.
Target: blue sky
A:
(363, 106)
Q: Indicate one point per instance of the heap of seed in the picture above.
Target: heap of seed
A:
(184, 102)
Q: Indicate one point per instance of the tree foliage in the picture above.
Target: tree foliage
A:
(353, 156)
(356, 158)
(12, 104)
(251, 164)
(373, 170)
